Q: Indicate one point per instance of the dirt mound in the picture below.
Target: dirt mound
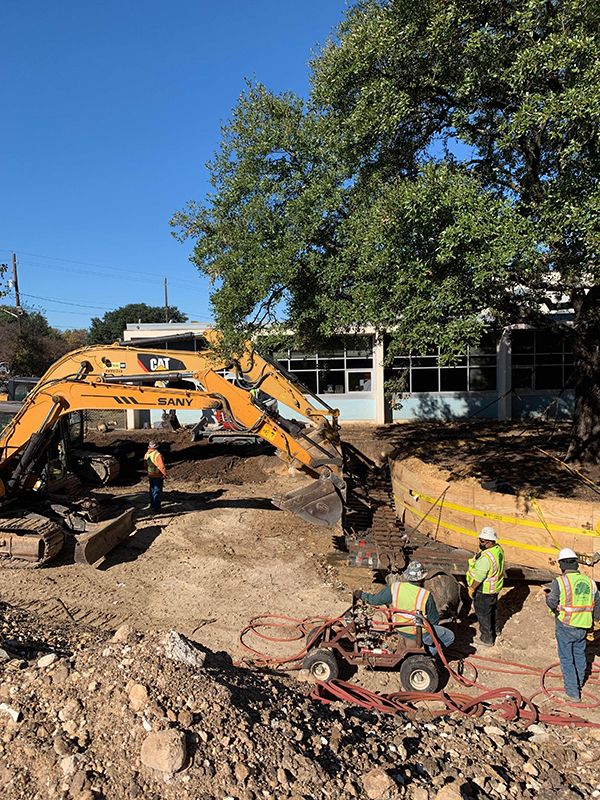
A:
(186, 460)
(524, 454)
(122, 719)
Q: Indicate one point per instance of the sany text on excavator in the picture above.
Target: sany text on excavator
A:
(314, 448)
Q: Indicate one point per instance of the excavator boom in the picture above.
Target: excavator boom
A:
(24, 438)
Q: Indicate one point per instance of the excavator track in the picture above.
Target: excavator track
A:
(374, 536)
(29, 542)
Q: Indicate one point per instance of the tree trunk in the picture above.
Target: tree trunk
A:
(584, 446)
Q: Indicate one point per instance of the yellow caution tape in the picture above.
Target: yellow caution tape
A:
(474, 534)
(487, 515)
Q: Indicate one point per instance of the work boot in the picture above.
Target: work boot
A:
(574, 700)
(485, 644)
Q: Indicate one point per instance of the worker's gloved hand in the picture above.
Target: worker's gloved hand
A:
(594, 632)
(357, 595)
(471, 592)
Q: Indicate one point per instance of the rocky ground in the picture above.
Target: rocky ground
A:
(86, 714)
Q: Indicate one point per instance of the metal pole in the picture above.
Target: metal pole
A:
(17, 298)
(166, 303)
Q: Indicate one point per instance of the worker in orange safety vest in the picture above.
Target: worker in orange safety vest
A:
(575, 601)
(410, 595)
(156, 474)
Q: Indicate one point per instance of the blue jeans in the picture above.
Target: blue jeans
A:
(156, 487)
(444, 635)
(571, 652)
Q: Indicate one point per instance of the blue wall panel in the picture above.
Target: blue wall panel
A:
(447, 406)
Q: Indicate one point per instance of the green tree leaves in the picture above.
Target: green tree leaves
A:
(110, 328)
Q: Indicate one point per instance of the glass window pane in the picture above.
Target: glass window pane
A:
(568, 372)
(303, 363)
(334, 348)
(424, 380)
(309, 379)
(301, 355)
(281, 355)
(360, 348)
(359, 362)
(330, 363)
(331, 382)
(548, 378)
(522, 361)
(487, 345)
(522, 378)
(544, 359)
(482, 379)
(453, 380)
(401, 363)
(482, 361)
(522, 341)
(359, 382)
(424, 361)
(569, 358)
(548, 342)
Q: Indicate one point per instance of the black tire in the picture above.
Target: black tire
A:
(322, 665)
(419, 674)
(313, 637)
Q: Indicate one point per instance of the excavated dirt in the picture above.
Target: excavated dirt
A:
(489, 450)
(216, 555)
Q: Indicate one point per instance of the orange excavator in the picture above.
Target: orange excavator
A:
(104, 378)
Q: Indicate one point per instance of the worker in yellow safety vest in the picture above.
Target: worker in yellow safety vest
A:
(410, 595)
(574, 600)
(155, 467)
(485, 578)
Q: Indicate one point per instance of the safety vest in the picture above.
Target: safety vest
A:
(494, 580)
(576, 601)
(408, 597)
(152, 460)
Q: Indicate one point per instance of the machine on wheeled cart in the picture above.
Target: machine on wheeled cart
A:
(369, 636)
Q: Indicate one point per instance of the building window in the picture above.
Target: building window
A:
(341, 367)
(473, 372)
(541, 360)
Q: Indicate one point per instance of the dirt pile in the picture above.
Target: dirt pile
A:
(122, 719)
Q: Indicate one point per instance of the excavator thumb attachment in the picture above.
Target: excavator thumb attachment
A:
(319, 502)
(101, 537)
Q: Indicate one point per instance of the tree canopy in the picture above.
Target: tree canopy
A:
(110, 328)
(35, 349)
(440, 181)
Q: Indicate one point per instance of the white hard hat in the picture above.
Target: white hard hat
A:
(489, 534)
(415, 571)
(566, 553)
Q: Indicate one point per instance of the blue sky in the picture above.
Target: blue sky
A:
(110, 112)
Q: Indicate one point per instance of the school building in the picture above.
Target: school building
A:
(518, 373)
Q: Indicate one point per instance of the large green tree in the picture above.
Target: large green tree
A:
(441, 181)
(31, 351)
(110, 328)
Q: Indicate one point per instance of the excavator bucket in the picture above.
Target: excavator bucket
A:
(101, 537)
(320, 502)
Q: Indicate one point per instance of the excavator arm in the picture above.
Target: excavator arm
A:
(24, 439)
(252, 370)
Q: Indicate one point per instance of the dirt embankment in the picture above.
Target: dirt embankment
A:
(520, 454)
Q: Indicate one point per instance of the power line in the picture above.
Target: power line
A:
(67, 303)
(100, 266)
(173, 282)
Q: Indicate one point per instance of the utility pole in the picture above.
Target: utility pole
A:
(166, 303)
(17, 298)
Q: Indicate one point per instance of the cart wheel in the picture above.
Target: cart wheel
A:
(313, 637)
(322, 665)
(419, 674)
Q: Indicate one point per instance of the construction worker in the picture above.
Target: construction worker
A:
(574, 599)
(485, 578)
(410, 595)
(156, 474)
